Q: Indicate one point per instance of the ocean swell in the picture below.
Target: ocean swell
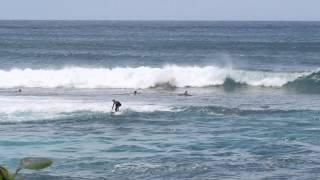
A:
(308, 83)
(141, 77)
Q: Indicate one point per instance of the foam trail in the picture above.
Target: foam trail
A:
(139, 77)
(14, 109)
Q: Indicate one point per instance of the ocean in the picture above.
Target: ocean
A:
(254, 112)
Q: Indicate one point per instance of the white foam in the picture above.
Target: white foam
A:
(139, 77)
(38, 108)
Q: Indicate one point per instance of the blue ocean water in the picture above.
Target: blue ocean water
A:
(254, 112)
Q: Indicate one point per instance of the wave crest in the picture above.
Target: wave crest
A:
(308, 83)
(141, 77)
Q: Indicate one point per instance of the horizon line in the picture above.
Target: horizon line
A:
(186, 20)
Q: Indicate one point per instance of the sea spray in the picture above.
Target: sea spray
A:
(140, 77)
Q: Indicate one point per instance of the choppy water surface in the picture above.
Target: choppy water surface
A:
(254, 112)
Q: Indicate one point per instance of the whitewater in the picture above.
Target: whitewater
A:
(253, 110)
(141, 77)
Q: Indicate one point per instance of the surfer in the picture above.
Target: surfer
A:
(116, 104)
(185, 94)
(135, 93)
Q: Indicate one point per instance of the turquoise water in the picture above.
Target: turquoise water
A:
(253, 114)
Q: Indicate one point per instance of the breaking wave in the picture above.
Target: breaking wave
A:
(308, 83)
(147, 77)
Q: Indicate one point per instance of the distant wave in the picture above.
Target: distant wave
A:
(170, 76)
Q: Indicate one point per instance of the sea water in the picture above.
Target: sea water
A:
(254, 112)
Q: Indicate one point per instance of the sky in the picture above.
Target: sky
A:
(292, 10)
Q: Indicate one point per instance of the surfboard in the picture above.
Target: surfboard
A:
(184, 95)
(115, 113)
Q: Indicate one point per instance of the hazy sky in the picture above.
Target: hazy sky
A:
(161, 9)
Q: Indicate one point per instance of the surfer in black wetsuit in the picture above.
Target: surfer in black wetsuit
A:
(116, 104)
(185, 94)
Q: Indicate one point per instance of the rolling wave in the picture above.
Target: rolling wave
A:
(308, 83)
(148, 77)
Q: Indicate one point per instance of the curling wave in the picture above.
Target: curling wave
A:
(308, 83)
(141, 77)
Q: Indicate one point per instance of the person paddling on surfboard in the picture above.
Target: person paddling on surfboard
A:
(116, 104)
(185, 94)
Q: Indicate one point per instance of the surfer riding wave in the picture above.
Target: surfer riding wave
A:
(116, 105)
